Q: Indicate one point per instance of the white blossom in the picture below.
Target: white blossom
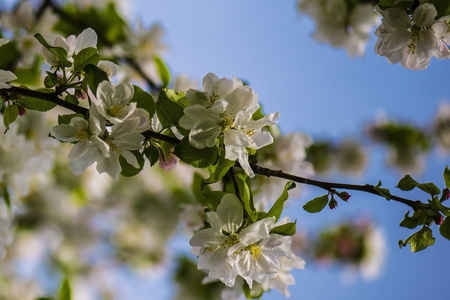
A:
(5, 77)
(412, 41)
(226, 107)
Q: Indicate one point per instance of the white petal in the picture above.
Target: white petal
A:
(86, 39)
(111, 165)
(230, 213)
(7, 76)
(110, 68)
(425, 14)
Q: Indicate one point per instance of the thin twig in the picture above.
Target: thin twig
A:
(328, 185)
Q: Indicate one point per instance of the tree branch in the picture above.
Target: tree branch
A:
(49, 97)
(328, 185)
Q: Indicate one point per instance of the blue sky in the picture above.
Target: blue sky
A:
(320, 91)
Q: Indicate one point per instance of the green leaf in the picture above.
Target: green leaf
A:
(444, 229)
(419, 240)
(382, 191)
(10, 115)
(197, 158)
(60, 53)
(170, 108)
(127, 169)
(287, 229)
(317, 204)
(212, 198)
(152, 154)
(65, 291)
(87, 56)
(9, 55)
(447, 177)
(44, 298)
(65, 119)
(93, 75)
(5, 195)
(246, 196)
(143, 100)
(218, 171)
(407, 183)
(163, 71)
(419, 217)
(36, 104)
(443, 209)
(277, 207)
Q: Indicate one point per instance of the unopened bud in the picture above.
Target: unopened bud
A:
(333, 203)
(344, 195)
(22, 110)
(445, 194)
(438, 219)
(80, 94)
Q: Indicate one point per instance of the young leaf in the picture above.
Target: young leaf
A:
(152, 154)
(65, 291)
(218, 171)
(419, 217)
(10, 115)
(163, 71)
(143, 100)
(287, 229)
(127, 169)
(382, 191)
(87, 56)
(60, 53)
(197, 158)
(246, 196)
(93, 75)
(65, 119)
(429, 188)
(317, 204)
(36, 104)
(277, 207)
(170, 108)
(407, 183)
(447, 176)
(212, 198)
(444, 229)
(419, 240)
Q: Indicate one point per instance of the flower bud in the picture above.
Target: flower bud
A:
(445, 194)
(333, 203)
(22, 110)
(438, 219)
(344, 195)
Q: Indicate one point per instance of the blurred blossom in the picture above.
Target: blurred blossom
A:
(341, 25)
(24, 24)
(350, 158)
(183, 83)
(357, 246)
(441, 126)
(287, 153)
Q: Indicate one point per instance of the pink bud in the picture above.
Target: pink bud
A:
(80, 94)
(22, 110)
(438, 219)
(169, 162)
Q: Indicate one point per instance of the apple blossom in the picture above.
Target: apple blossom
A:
(6, 76)
(225, 109)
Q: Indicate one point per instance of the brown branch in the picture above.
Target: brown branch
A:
(49, 97)
(329, 186)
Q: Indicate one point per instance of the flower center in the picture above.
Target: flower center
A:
(114, 111)
(256, 251)
(82, 134)
(230, 240)
(226, 122)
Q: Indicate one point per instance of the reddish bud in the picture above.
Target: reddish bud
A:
(333, 203)
(344, 195)
(80, 94)
(445, 194)
(438, 219)
(22, 110)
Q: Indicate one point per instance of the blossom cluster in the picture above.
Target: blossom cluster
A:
(412, 40)
(223, 111)
(229, 249)
(340, 24)
(95, 142)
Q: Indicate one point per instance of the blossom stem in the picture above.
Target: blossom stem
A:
(329, 186)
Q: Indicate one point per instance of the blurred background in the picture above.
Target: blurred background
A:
(123, 244)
